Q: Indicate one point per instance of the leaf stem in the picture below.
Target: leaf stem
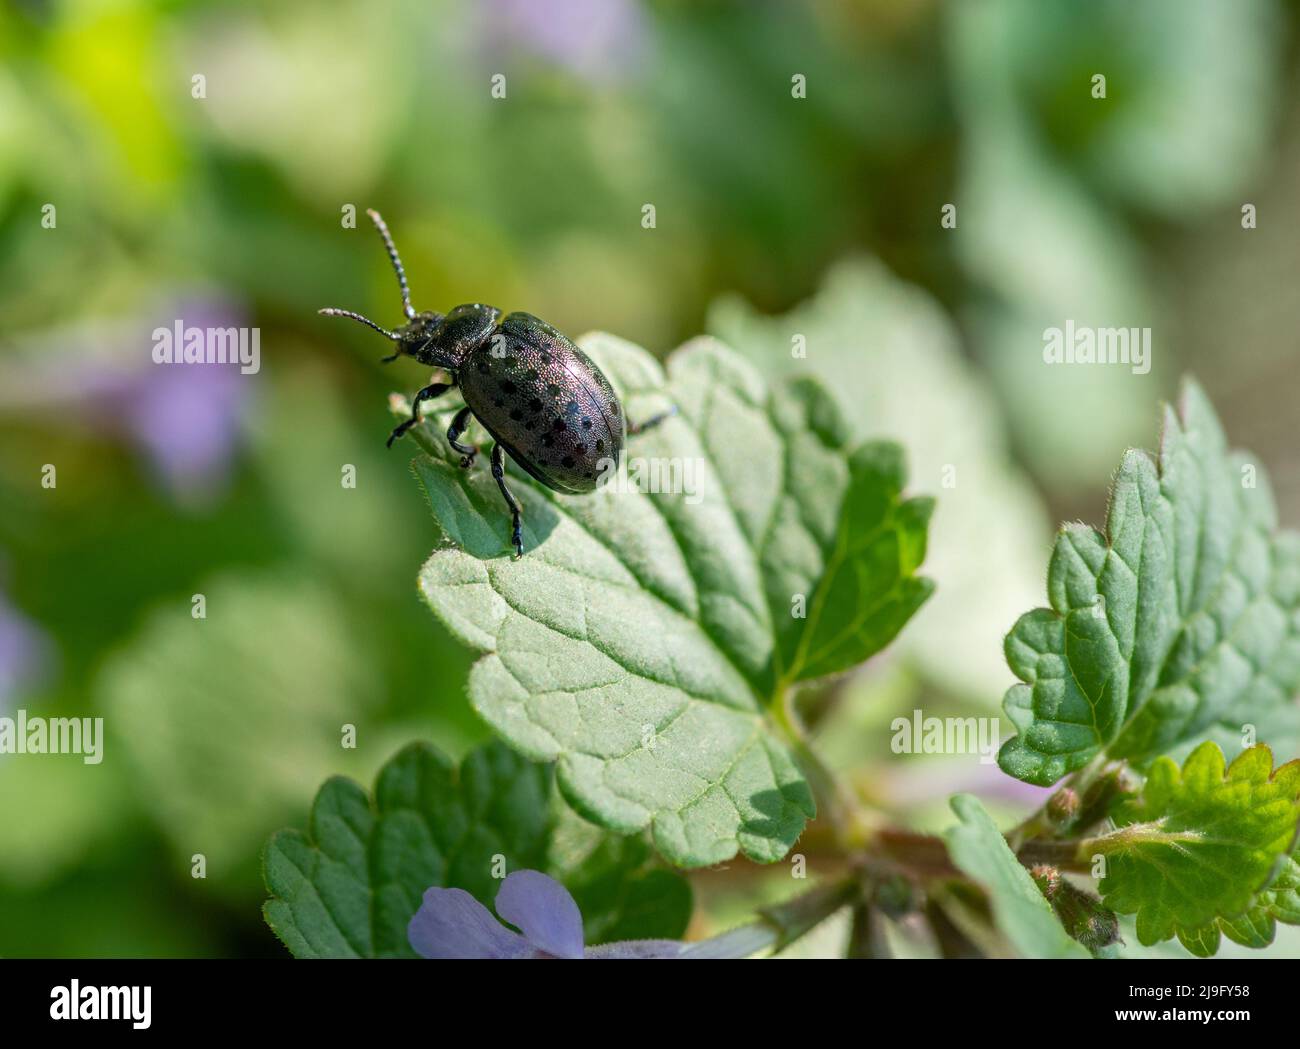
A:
(926, 856)
(834, 799)
(1125, 838)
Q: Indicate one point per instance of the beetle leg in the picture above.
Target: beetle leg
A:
(635, 428)
(431, 391)
(516, 512)
(457, 427)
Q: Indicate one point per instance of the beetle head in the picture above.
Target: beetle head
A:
(416, 339)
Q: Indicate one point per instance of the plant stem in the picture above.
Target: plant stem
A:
(867, 935)
(1064, 855)
(805, 912)
(834, 800)
(1125, 838)
(779, 926)
(920, 855)
(1038, 822)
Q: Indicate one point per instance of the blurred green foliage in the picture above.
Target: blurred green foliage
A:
(231, 205)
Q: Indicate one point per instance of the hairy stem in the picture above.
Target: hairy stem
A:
(1125, 838)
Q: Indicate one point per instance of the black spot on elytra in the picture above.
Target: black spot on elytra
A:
(560, 426)
(581, 449)
(517, 415)
(572, 408)
(484, 367)
(548, 440)
(535, 405)
(508, 387)
(586, 424)
(552, 387)
(568, 462)
(532, 374)
(600, 446)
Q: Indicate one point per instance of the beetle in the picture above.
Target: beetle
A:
(544, 402)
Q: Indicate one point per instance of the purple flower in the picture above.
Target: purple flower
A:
(188, 420)
(452, 924)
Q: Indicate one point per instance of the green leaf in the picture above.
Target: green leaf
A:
(1021, 911)
(1019, 205)
(1196, 846)
(642, 640)
(350, 885)
(244, 705)
(1188, 129)
(1184, 614)
(622, 892)
(895, 362)
(1256, 927)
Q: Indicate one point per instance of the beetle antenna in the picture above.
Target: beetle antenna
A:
(331, 311)
(396, 260)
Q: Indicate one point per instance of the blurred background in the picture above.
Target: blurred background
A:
(775, 215)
